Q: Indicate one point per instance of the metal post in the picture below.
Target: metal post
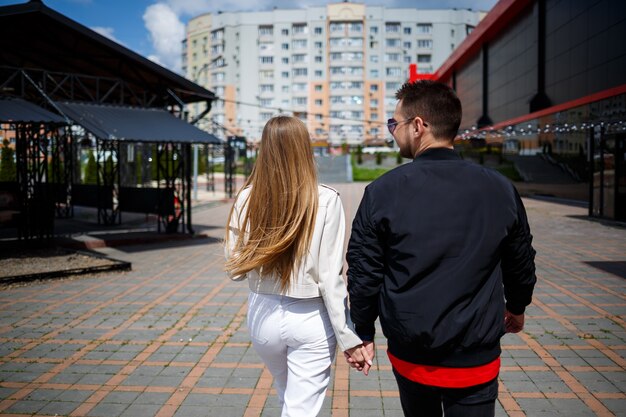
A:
(195, 171)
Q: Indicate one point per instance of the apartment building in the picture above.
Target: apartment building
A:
(336, 66)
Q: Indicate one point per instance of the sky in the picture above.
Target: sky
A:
(155, 28)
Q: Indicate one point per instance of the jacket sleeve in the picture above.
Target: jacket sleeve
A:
(233, 231)
(331, 282)
(518, 263)
(365, 271)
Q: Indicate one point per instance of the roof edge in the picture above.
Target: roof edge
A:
(492, 24)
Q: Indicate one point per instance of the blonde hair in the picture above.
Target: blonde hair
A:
(276, 229)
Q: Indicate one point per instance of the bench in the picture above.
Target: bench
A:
(9, 204)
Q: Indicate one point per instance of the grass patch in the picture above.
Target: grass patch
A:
(364, 174)
(509, 171)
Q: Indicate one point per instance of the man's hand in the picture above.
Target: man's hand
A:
(360, 357)
(513, 323)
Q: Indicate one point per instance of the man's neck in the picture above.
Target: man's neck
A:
(433, 144)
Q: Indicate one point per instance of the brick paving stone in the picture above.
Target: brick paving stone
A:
(107, 410)
(105, 340)
(61, 408)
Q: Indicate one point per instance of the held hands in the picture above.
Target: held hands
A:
(513, 323)
(360, 357)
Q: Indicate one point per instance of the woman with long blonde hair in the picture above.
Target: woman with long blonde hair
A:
(285, 235)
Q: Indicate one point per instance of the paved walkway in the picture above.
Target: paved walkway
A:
(169, 338)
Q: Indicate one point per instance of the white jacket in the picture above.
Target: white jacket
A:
(320, 273)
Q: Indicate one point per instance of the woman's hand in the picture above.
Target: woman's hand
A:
(360, 357)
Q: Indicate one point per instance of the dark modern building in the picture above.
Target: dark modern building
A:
(545, 80)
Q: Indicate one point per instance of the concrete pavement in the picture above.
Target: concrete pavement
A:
(169, 337)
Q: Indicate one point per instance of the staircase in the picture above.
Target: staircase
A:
(539, 169)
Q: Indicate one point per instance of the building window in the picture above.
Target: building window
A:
(425, 43)
(285, 60)
(356, 27)
(392, 27)
(423, 59)
(299, 28)
(452, 33)
(299, 101)
(266, 59)
(373, 87)
(318, 45)
(374, 102)
(424, 28)
(319, 102)
(393, 72)
(392, 57)
(217, 35)
(266, 30)
(406, 45)
(318, 58)
(265, 116)
(266, 88)
(285, 89)
(284, 74)
(356, 114)
(318, 87)
(407, 59)
(392, 43)
(285, 46)
(374, 73)
(300, 72)
(318, 30)
(319, 73)
(336, 27)
(299, 87)
(266, 102)
(298, 43)
(373, 58)
(267, 75)
(407, 31)
(299, 58)
(373, 29)
(284, 32)
(266, 47)
(392, 86)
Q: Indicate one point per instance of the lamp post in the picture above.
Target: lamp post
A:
(204, 67)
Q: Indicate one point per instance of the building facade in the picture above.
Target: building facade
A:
(546, 80)
(337, 66)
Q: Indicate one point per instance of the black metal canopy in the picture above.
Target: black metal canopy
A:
(35, 37)
(18, 110)
(134, 124)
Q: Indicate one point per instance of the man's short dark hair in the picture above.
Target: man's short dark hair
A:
(436, 103)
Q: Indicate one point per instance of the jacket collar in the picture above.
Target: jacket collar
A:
(437, 154)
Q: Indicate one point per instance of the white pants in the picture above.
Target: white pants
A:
(295, 339)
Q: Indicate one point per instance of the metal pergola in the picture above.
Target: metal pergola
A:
(51, 61)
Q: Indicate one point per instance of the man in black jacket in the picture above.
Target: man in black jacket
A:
(441, 252)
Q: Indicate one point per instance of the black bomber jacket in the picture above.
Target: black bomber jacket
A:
(438, 246)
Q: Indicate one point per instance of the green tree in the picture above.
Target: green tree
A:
(8, 171)
(398, 158)
(379, 158)
(359, 155)
(138, 168)
(91, 170)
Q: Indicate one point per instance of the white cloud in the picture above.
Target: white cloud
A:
(166, 33)
(164, 19)
(107, 32)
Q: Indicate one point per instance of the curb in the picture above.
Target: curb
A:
(117, 265)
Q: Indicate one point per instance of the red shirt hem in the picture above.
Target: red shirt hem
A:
(446, 377)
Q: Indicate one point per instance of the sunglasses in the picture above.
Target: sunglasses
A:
(393, 123)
